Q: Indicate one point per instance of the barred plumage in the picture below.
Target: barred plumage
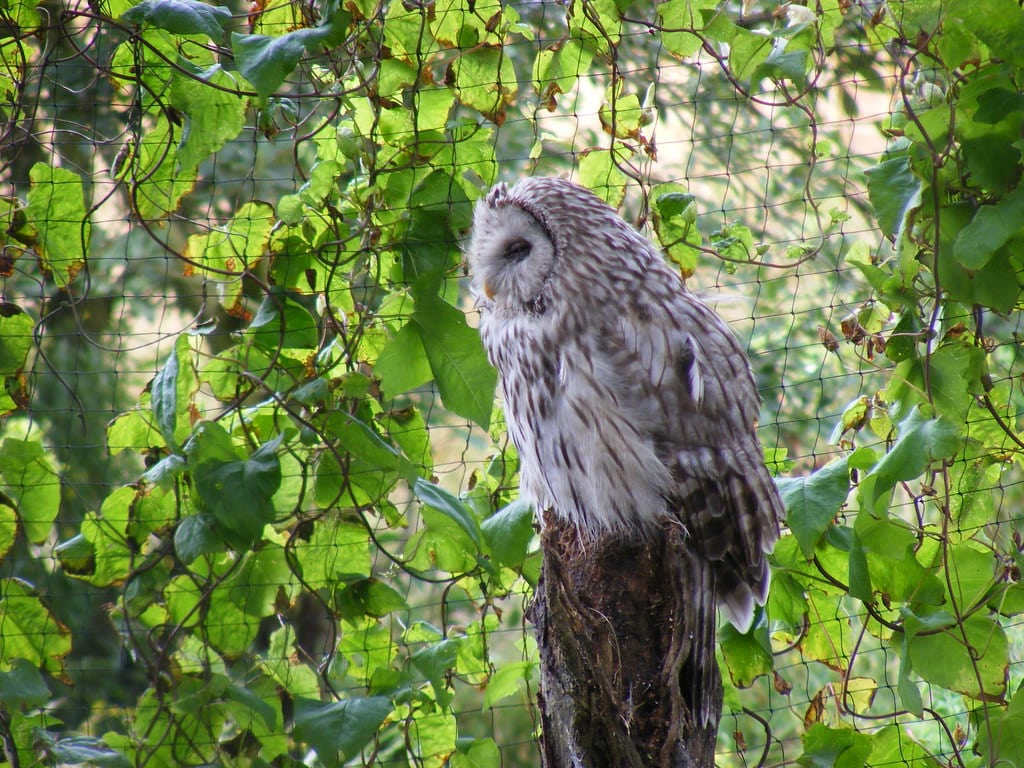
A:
(628, 398)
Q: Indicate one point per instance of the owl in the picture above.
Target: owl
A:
(628, 399)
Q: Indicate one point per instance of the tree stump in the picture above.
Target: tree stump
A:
(625, 653)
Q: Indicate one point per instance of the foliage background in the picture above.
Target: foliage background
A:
(256, 506)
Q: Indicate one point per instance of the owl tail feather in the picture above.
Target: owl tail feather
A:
(738, 607)
(700, 671)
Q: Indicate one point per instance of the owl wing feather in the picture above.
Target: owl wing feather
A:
(699, 405)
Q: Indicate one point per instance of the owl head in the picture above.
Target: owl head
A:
(512, 254)
(539, 238)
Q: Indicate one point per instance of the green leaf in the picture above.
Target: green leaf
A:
(360, 441)
(133, 430)
(600, 35)
(163, 394)
(165, 470)
(485, 80)
(557, 70)
(112, 551)
(22, 686)
(197, 535)
(266, 61)
(434, 661)
(251, 701)
(508, 680)
(8, 529)
(432, 734)
(234, 248)
(972, 574)
(56, 208)
(991, 227)
(337, 553)
(976, 669)
(1006, 747)
(221, 481)
(747, 656)
(78, 750)
(215, 114)
(786, 601)
(921, 441)
(828, 637)
(621, 114)
(30, 479)
(159, 181)
(826, 747)
(443, 544)
(475, 753)
(433, 106)
(859, 572)
(30, 631)
(674, 215)
(998, 23)
(735, 242)
(457, 360)
(407, 427)
(678, 17)
(892, 746)
(600, 173)
(747, 52)
(508, 533)
(16, 340)
(339, 728)
(402, 365)
(888, 548)
(369, 597)
(441, 500)
(181, 17)
(439, 193)
(894, 192)
(995, 284)
(812, 502)
(784, 65)
(282, 323)
(907, 692)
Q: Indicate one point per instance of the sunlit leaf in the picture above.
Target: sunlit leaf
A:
(971, 658)
(16, 340)
(747, 656)
(56, 208)
(30, 479)
(30, 631)
(509, 680)
(826, 747)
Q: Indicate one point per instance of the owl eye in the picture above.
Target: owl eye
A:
(517, 250)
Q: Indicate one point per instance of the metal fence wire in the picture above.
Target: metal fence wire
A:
(257, 501)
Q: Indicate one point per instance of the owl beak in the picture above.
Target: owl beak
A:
(488, 291)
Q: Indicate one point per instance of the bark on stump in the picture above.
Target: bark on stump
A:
(615, 629)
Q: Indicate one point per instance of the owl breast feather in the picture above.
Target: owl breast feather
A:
(581, 452)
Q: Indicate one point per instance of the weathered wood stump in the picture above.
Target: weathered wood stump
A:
(617, 630)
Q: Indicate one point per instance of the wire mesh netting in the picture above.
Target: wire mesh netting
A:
(257, 502)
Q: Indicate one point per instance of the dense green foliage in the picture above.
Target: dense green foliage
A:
(301, 545)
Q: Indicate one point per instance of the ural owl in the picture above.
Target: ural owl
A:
(628, 399)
